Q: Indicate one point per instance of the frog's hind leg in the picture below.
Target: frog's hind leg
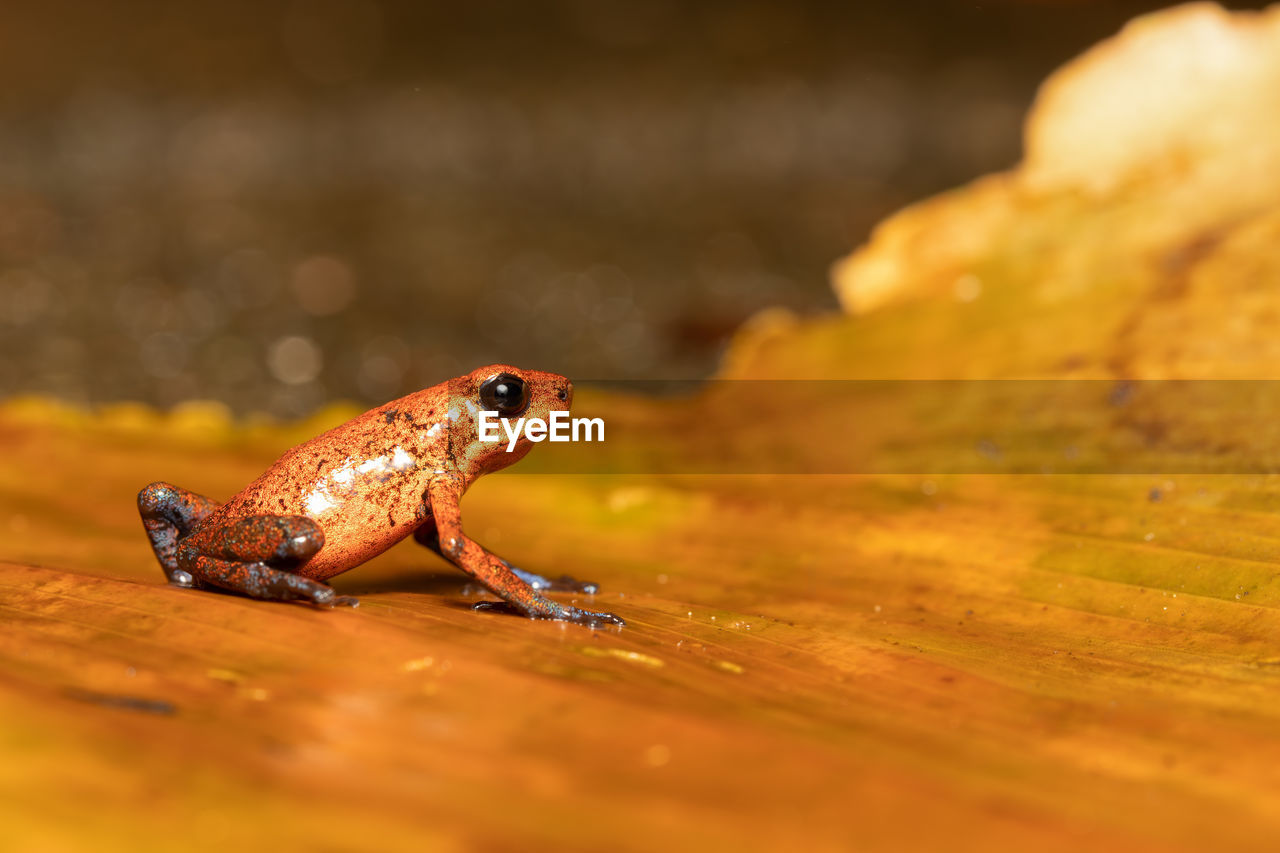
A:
(256, 556)
(168, 514)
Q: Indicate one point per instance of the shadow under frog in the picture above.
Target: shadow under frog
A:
(330, 504)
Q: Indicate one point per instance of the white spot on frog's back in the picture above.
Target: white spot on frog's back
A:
(355, 476)
(343, 475)
(402, 460)
(318, 502)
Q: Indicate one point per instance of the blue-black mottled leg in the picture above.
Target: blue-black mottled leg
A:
(257, 556)
(258, 580)
(169, 514)
(428, 536)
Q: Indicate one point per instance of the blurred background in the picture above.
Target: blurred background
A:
(275, 204)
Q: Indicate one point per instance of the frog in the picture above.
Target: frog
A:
(336, 501)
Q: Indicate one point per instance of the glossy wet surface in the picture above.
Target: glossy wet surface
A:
(819, 662)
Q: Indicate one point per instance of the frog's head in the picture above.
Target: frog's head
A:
(518, 396)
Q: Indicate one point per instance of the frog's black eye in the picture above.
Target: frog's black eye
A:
(505, 394)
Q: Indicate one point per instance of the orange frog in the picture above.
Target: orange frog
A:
(346, 496)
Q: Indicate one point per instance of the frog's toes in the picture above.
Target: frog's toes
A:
(570, 585)
(328, 599)
(564, 583)
(182, 578)
(495, 607)
(592, 618)
(554, 613)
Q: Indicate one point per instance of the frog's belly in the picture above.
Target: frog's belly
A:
(360, 532)
(363, 509)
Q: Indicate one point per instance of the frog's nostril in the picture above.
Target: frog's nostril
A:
(564, 394)
(565, 391)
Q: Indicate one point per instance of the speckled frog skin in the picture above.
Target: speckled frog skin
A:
(346, 496)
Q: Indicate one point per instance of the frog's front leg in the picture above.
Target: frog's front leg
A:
(428, 536)
(496, 574)
(255, 556)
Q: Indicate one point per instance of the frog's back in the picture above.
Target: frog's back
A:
(362, 481)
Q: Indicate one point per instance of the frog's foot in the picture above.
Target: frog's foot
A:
(182, 578)
(254, 556)
(591, 618)
(258, 580)
(564, 583)
(558, 613)
(168, 515)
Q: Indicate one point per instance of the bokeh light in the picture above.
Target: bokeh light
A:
(274, 204)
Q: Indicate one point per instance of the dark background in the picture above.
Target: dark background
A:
(274, 204)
